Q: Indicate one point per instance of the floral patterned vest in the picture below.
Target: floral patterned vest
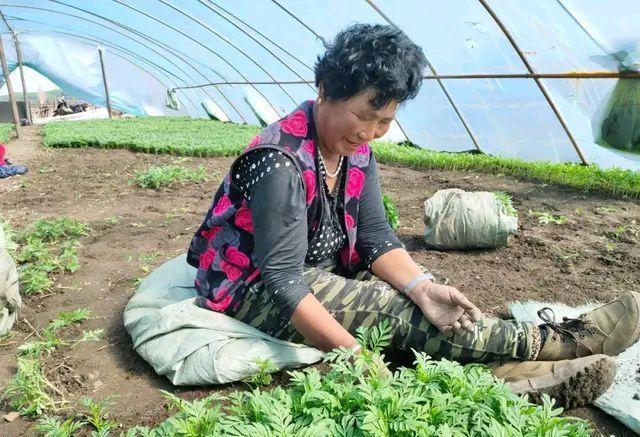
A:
(222, 247)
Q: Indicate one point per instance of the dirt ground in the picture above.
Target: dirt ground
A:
(579, 261)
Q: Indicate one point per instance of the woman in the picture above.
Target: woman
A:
(300, 216)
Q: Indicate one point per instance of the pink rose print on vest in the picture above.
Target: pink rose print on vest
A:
(309, 177)
(221, 300)
(207, 258)
(243, 218)
(344, 256)
(355, 183)
(234, 263)
(295, 124)
(349, 221)
(211, 233)
(222, 205)
(310, 147)
(253, 143)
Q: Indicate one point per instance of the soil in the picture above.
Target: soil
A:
(585, 259)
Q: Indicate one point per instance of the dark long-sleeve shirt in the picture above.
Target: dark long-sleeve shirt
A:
(276, 198)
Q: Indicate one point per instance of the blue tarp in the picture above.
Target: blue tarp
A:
(153, 45)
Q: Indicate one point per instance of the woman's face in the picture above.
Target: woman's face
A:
(343, 125)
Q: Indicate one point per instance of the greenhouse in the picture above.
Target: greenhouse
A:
(154, 282)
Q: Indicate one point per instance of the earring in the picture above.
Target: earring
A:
(319, 100)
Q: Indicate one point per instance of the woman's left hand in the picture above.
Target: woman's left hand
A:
(446, 307)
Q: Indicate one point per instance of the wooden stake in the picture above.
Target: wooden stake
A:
(12, 97)
(24, 85)
(104, 80)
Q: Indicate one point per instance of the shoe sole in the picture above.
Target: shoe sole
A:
(581, 388)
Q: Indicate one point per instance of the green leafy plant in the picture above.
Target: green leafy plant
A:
(589, 178)
(54, 427)
(55, 229)
(544, 218)
(172, 135)
(50, 340)
(27, 390)
(391, 211)
(49, 247)
(165, 175)
(97, 416)
(507, 203)
(262, 376)
(358, 396)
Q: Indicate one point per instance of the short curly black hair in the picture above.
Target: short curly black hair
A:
(375, 56)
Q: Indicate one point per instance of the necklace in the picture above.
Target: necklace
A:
(328, 173)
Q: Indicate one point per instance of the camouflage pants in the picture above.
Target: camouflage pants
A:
(365, 300)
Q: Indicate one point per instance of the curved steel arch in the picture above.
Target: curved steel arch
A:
(167, 47)
(225, 39)
(541, 86)
(442, 87)
(114, 47)
(101, 25)
(200, 44)
(284, 50)
(253, 38)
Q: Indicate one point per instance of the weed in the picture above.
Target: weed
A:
(97, 416)
(54, 427)
(55, 229)
(617, 233)
(605, 209)
(42, 252)
(27, 390)
(165, 175)
(391, 211)
(50, 340)
(507, 203)
(34, 279)
(112, 221)
(545, 218)
(262, 376)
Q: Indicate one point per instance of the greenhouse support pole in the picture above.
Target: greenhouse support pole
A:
(12, 97)
(104, 80)
(24, 84)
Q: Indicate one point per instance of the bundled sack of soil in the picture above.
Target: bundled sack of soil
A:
(456, 219)
(9, 296)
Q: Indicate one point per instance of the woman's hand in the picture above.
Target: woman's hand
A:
(446, 307)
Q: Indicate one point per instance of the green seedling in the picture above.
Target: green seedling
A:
(586, 178)
(506, 202)
(49, 230)
(166, 175)
(357, 398)
(605, 209)
(48, 248)
(97, 416)
(27, 391)
(112, 221)
(262, 376)
(546, 218)
(54, 427)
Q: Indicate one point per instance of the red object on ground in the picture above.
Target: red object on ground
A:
(3, 150)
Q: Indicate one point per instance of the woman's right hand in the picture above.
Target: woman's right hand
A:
(446, 307)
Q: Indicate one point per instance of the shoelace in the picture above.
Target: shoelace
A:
(568, 327)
